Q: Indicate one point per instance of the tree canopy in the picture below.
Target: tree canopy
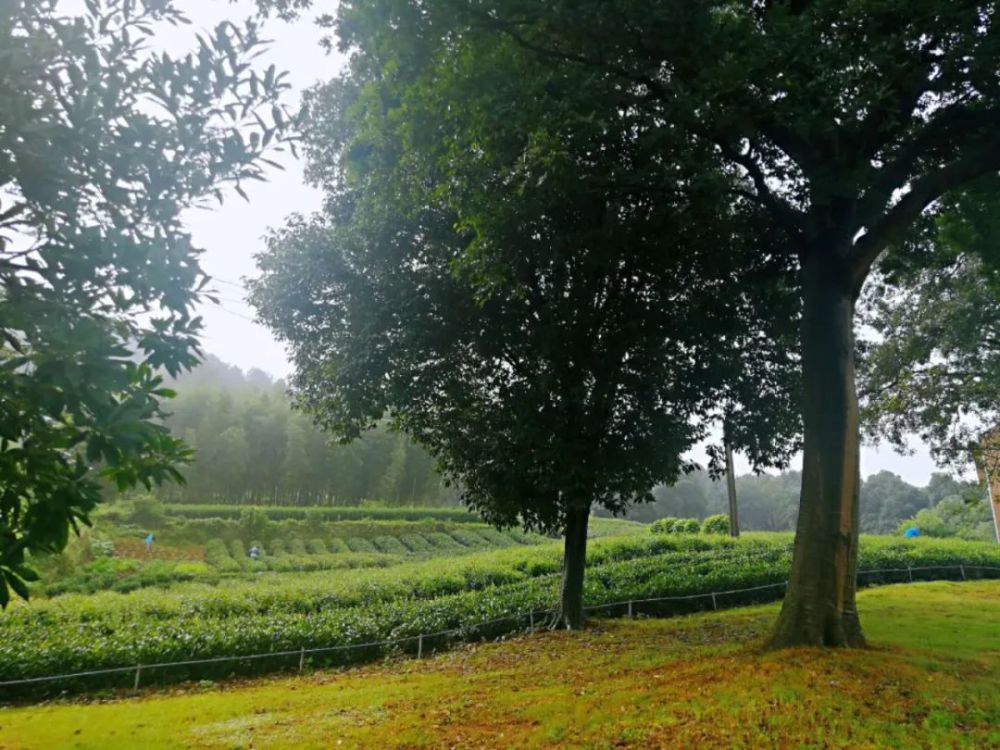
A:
(103, 143)
(527, 291)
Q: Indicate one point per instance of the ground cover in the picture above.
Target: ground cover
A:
(929, 681)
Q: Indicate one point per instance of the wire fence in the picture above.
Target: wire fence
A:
(417, 645)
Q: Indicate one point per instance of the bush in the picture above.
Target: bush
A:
(664, 526)
(359, 544)
(688, 526)
(337, 545)
(316, 547)
(442, 541)
(415, 543)
(717, 524)
(955, 516)
(389, 544)
(468, 539)
(277, 548)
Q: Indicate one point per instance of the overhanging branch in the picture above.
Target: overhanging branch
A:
(923, 191)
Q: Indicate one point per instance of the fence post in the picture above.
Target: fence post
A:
(138, 671)
(629, 607)
(302, 657)
(962, 568)
(420, 645)
(715, 604)
(531, 620)
(910, 571)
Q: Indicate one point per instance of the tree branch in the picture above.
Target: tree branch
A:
(923, 191)
(952, 125)
(781, 209)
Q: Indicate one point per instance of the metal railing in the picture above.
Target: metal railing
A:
(533, 618)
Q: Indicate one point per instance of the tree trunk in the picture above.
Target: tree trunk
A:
(734, 518)
(819, 607)
(569, 615)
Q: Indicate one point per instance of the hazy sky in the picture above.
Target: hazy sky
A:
(232, 233)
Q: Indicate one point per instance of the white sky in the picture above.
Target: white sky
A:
(232, 233)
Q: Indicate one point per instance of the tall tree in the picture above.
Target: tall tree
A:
(846, 121)
(501, 281)
(102, 145)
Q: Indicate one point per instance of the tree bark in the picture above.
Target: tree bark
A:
(569, 615)
(819, 606)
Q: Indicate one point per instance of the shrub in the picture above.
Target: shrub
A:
(297, 547)
(415, 543)
(277, 548)
(316, 547)
(389, 544)
(442, 541)
(688, 526)
(468, 538)
(717, 524)
(495, 538)
(336, 545)
(664, 525)
(359, 544)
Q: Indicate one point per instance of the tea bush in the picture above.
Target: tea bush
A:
(389, 544)
(359, 544)
(717, 524)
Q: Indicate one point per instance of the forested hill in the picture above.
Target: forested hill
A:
(252, 447)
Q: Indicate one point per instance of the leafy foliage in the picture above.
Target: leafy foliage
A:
(935, 367)
(965, 517)
(103, 144)
(717, 524)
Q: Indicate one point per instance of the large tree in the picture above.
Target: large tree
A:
(102, 144)
(525, 290)
(847, 122)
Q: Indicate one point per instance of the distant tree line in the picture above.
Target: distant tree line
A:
(769, 502)
(252, 447)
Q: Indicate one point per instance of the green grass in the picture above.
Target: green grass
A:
(701, 681)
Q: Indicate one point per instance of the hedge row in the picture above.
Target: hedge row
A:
(84, 633)
(347, 513)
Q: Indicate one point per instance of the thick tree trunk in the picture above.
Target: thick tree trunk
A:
(569, 615)
(819, 607)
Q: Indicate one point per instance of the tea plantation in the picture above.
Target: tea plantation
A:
(262, 610)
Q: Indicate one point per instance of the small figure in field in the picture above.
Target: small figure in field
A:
(149, 543)
(254, 552)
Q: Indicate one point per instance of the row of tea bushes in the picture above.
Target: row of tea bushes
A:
(280, 612)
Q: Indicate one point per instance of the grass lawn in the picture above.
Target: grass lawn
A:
(931, 679)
